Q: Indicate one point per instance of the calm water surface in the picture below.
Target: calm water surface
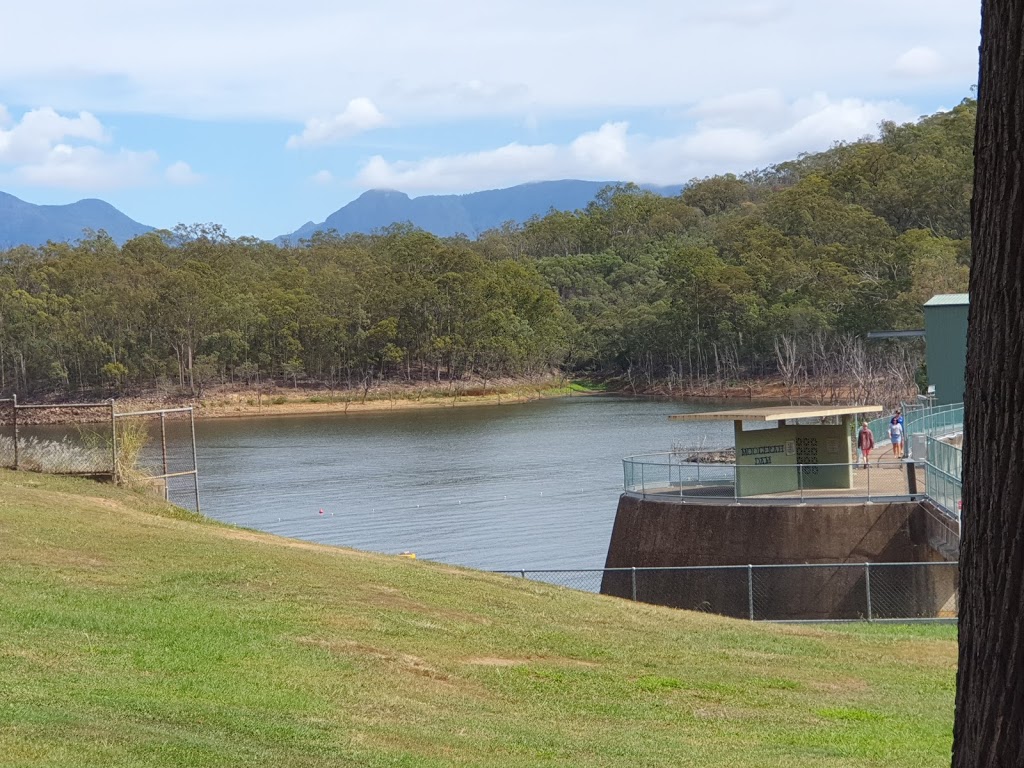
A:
(494, 487)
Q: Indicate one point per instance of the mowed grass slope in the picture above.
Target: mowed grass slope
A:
(132, 634)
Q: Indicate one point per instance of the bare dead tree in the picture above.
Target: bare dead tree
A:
(789, 364)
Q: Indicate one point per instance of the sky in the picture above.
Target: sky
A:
(260, 116)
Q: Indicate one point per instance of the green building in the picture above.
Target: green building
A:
(945, 326)
(792, 456)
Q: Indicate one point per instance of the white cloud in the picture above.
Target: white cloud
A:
(181, 173)
(604, 151)
(359, 116)
(921, 61)
(732, 140)
(35, 135)
(745, 14)
(323, 178)
(87, 168)
(47, 149)
(286, 61)
(762, 105)
(511, 164)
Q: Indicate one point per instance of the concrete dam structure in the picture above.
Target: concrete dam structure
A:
(664, 533)
(797, 527)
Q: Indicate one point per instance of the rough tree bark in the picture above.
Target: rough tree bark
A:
(989, 726)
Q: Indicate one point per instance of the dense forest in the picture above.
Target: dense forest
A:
(779, 272)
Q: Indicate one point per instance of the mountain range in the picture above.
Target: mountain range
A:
(470, 214)
(23, 223)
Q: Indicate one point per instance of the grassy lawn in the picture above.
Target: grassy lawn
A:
(132, 634)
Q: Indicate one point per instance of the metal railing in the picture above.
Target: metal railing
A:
(664, 475)
(943, 470)
(936, 421)
(932, 421)
(818, 592)
(935, 475)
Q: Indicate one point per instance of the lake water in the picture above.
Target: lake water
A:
(493, 487)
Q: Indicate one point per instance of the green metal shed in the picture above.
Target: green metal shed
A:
(945, 325)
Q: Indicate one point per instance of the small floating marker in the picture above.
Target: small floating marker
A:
(321, 511)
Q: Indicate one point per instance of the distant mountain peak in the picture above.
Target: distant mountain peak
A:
(470, 214)
(25, 223)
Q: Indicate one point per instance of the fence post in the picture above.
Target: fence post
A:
(750, 590)
(800, 480)
(14, 410)
(633, 577)
(867, 587)
(113, 443)
(195, 458)
(163, 450)
(523, 574)
(869, 479)
(912, 478)
(643, 486)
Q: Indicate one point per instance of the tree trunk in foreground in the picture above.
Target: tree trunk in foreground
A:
(989, 727)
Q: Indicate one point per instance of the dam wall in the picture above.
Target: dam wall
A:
(660, 533)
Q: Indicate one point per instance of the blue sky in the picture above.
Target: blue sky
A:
(263, 115)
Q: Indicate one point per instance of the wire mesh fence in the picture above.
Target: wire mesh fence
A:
(94, 440)
(817, 592)
(66, 439)
(161, 460)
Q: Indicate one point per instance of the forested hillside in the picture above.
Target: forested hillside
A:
(777, 272)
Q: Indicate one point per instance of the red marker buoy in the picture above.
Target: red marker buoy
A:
(321, 511)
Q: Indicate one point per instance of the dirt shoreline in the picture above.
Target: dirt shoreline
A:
(240, 406)
(228, 402)
(233, 402)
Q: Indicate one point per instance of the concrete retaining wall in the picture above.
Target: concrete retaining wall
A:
(651, 533)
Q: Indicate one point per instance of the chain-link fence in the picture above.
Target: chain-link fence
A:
(64, 439)
(818, 592)
(94, 440)
(160, 459)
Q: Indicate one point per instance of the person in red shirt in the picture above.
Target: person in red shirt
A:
(865, 442)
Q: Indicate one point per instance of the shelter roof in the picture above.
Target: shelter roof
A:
(948, 300)
(777, 413)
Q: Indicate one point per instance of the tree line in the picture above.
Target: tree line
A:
(735, 277)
